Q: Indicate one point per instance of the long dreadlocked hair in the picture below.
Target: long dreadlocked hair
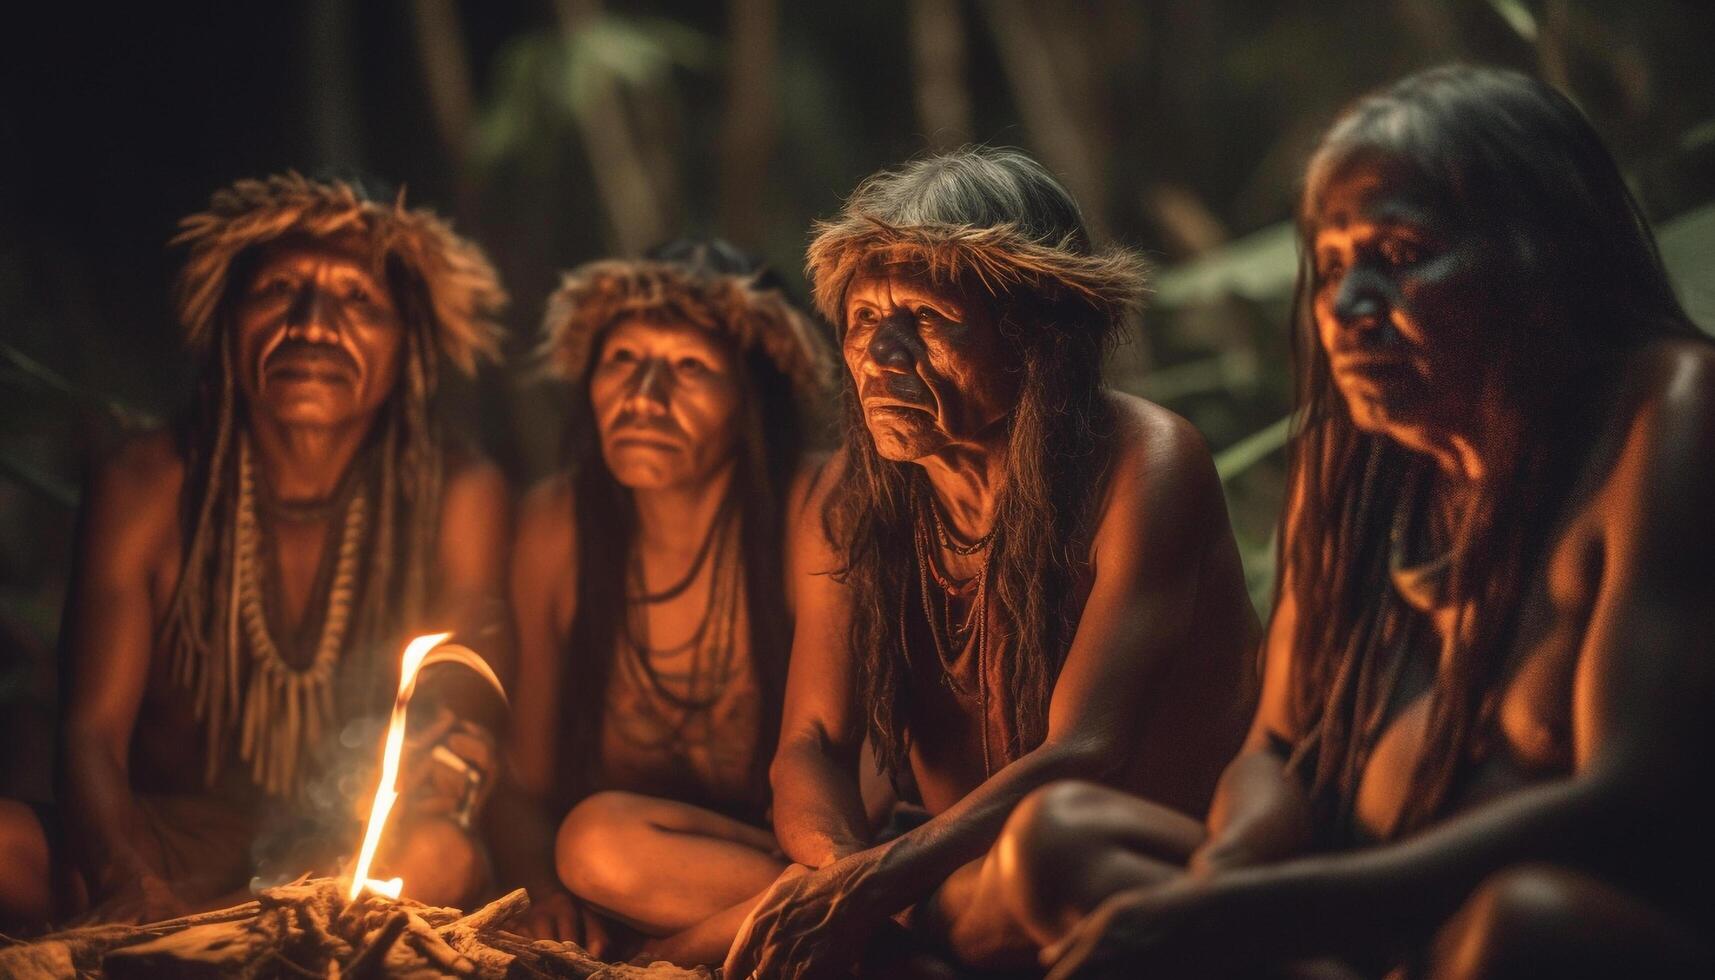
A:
(1512, 161)
(781, 364)
(445, 292)
(997, 223)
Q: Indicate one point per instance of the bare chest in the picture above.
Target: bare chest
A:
(1532, 737)
(684, 712)
(168, 742)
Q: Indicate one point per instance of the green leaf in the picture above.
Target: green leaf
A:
(1688, 250)
(1252, 449)
(1261, 266)
(20, 369)
(29, 476)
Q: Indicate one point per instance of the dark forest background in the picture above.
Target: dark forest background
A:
(558, 132)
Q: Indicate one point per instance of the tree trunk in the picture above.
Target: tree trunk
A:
(748, 140)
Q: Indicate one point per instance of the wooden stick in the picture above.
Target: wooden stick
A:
(370, 964)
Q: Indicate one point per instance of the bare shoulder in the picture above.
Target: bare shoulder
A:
(146, 467)
(138, 487)
(1668, 427)
(1678, 374)
(809, 484)
(808, 549)
(1159, 465)
(1652, 484)
(473, 480)
(547, 524)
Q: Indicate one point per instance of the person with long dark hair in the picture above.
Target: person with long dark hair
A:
(1487, 680)
(1008, 575)
(245, 581)
(653, 615)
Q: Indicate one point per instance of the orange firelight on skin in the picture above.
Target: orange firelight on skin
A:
(419, 653)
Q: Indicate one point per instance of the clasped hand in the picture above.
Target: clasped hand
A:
(809, 924)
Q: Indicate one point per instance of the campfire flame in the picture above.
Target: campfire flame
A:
(419, 653)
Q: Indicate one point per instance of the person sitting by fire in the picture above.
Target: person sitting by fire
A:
(243, 585)
(1488, 683)
(653, 619)
(1008, 575)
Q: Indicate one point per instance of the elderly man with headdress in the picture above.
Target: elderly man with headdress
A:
(650, 593)
(1488, 681)
(1009, 574)
(243, 584)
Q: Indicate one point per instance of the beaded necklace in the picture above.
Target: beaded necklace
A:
(944, 633)
(712, 645)
(286, 708)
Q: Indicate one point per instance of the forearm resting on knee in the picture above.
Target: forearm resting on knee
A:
(1260, 814)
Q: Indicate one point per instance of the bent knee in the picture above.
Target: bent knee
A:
(1049, 826)
(592, 847)
(23, 841)
(1517, 920)
(26, 893)
(1045, 841)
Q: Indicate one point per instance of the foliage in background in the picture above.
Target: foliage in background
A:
(557, 132)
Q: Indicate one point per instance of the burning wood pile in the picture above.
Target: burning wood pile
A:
(311, 929)
(353, 927)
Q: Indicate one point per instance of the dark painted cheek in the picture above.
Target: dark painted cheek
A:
(1449, 309)
(982, 384)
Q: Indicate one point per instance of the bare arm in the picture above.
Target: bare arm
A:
(1260, 812)
(1164, 513)
(476, 535)
(129, 516)
(544, 589)
(1641, 695)
(818, 808)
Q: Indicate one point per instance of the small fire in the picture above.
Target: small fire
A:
(419, 653)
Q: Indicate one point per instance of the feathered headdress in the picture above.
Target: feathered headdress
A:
(596, 295)
(464, 292)
(1112, 285)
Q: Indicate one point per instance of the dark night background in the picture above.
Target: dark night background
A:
(558, 132)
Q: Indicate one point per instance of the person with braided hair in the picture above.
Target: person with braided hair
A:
(653, 619)
(1488, 677)
(244, 584)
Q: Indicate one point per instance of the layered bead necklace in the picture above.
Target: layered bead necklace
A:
(286, 708)
(712, 645)
(950, 634)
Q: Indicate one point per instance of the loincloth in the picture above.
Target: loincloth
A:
(204, 840)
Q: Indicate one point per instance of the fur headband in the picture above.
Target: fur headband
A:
(1112, 284)
(464, 292)
(595, 295)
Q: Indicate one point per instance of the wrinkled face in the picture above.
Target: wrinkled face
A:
(666, 400)
(1402, 305)
(319, 338)
(927, 362)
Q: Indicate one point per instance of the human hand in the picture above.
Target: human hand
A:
(1187, 927)
(448, 767)
(145, 898)
(808, 925)
(555, 914)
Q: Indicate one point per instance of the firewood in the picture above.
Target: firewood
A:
(309, 929)
(217, 949)
(496, 912)
(368, 964)
(425, 940)
(37, 961)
